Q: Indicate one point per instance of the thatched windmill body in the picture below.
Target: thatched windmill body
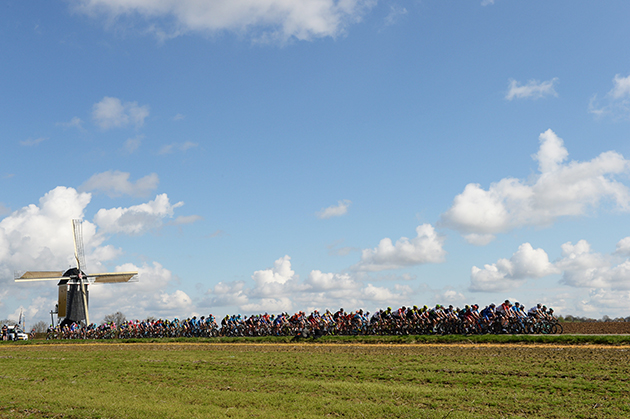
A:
(73, 298)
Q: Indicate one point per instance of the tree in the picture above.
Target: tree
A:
(118, 318)
(40, 327)
(8, 322)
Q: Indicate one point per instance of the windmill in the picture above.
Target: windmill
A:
(73, 284)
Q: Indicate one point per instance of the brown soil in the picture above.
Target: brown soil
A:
(596, 328)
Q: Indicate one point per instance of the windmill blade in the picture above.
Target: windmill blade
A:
(110, 278)
(40, 276)
(79, 254)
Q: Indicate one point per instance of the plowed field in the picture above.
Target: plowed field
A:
(597, 328)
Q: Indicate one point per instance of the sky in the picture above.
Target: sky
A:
(281, 155)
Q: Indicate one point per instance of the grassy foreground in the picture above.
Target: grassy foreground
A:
(313, 380)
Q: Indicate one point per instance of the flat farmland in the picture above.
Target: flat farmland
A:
(596, 328)
(313, 380)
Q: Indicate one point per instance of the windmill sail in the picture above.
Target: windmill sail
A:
(39, 276)
(79, 255)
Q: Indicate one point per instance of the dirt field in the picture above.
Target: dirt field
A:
(597, 328)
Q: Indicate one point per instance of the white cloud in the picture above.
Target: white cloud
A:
(226, 294)
(487, 2)
(32, 141)
(75, 122)
(334, 210)
(623, 247)
(616, 102)
(112, 113)
(560, 189)
(116, 183)
(534, 89)
(395, 13)
(148, 296)
(136, 219)
(479, 239)
(132, 144)
(621, 88)
(381, 294)
(271, 20)
(584, 268)
(608, 302)
(269, 305)
(426, 247)
(320, 281)
(274, 282)
(279, 289)
(170, 148)
(39, 237)
(506, 274)
(579, 265)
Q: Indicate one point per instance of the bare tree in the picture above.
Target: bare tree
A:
(118, 318)
(8, 322)
(40, 327)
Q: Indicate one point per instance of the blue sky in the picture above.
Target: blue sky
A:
(282, 155)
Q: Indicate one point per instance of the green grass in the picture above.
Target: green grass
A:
(407, 339)
(313, 380)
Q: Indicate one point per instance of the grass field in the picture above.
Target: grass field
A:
(314, 380)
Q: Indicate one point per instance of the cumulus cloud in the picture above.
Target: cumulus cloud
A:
(226, 294)
(559, 189)
(137, 219)
(320, 281)
(263, 19)
(606, 301)
(334, 210)
(278, 288)
(616, 102)
(534, 89)
(584, 268)
(149, 295)
(506, 274)
(579, 265)
(426, 247)
(111, 112)
(451, 296)
(276, 281)
(116, 183)
(623, 247)
(39, 237)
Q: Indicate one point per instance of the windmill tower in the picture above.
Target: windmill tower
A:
(73, 298)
